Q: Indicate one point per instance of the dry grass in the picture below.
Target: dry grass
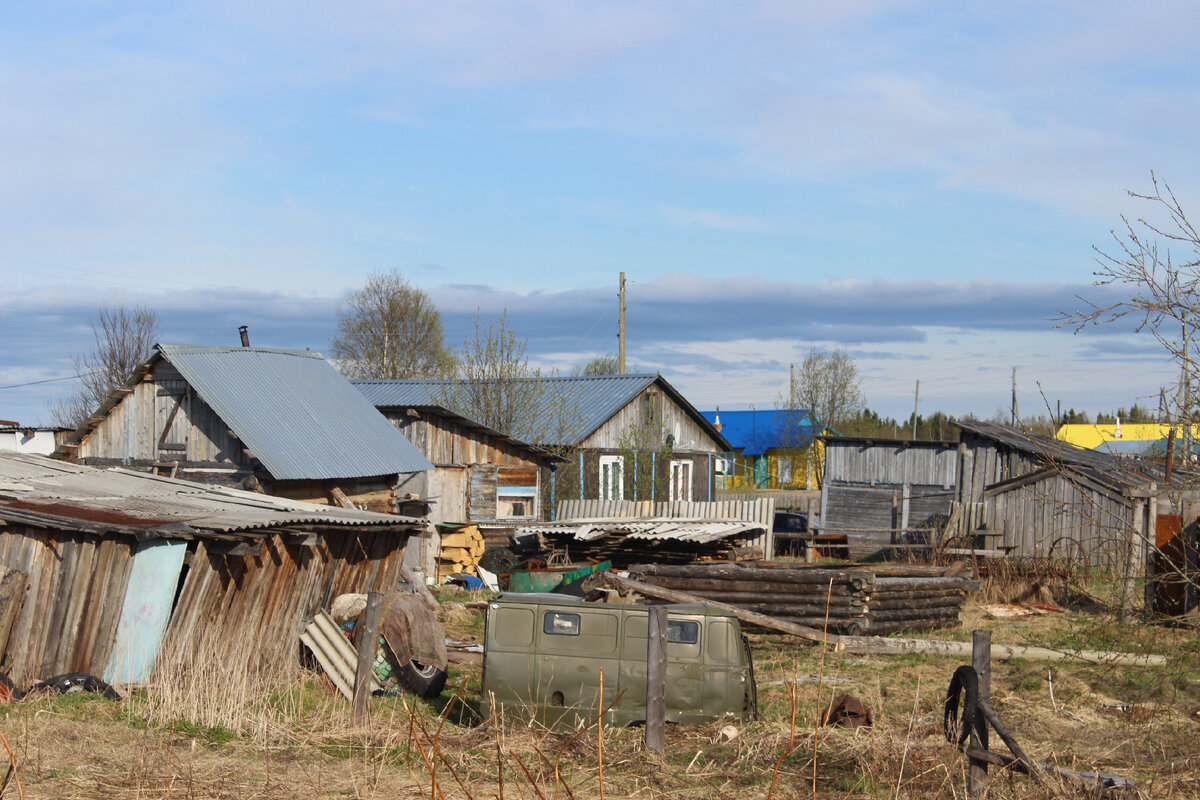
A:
(209, 733)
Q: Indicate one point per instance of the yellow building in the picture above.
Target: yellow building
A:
(1124, 438)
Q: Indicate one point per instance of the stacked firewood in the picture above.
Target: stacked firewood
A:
(850, 600)
(461, 549)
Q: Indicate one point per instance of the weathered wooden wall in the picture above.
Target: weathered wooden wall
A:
(915, 463)
(668, 419)
(1042, 517)
(447, 442)
(251, 607)
(647, 477)
(983, 462)
(76, 591)
(162, 418)
(254, 607)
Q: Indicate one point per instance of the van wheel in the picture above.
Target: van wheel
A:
(423, 680)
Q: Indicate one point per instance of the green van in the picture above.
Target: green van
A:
(543, 655)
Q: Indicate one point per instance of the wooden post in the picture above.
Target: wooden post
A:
(656, 680)
(981, 660)
(368, 645)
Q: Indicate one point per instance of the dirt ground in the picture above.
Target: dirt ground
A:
(295, 740)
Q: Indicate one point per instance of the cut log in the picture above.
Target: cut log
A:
(813, 590)
(870, 645)
(737, 572)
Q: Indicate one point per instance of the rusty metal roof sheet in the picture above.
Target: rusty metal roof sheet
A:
(40, 491)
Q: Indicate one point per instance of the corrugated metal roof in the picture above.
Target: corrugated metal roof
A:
(295, 412)
(755, 431)
(39, 490)
(699, 531)
(1122, 470)
(591, 399)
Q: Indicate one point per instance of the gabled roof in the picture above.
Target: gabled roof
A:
(1053, 453)
(38, 491)
(591, 399)
(755, 431)
(291, 409)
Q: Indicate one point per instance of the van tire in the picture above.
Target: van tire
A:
(423, 680)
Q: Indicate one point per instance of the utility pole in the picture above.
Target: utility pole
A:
(916, 410)
(621, 334)
(1016, 414)
(792, 387)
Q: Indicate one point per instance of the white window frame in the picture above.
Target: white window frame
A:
(612, 478)
(681, 479)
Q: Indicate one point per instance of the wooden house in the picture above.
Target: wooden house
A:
(122, 574)
(882, 492)
(281, 421)
(623, 437)
(480, 475)
(772, 449)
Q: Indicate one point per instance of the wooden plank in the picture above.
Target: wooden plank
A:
(981, 660)
(656, 680)
(368, 645)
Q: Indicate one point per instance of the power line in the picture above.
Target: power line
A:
(47, 380)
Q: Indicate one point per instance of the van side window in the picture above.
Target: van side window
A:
(561, 623)
(683, 631)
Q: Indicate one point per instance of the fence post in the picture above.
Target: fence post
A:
(981, 660)
(368, 646)
(656, 680)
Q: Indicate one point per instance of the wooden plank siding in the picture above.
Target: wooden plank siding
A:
(1036, 517)
(647, 477)
(447, 442)
(254, 608)
(76, 590)
(668, 419)
(162, 417)
(251, 607)
(916, 463)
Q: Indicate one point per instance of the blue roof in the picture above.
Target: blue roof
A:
(591, 400)
(754, 432)
(295, 412)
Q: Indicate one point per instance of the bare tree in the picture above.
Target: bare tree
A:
(494, 383)
(389, 329)
(1164, 287)
(828, 386)
(607, 364)
(123, 338)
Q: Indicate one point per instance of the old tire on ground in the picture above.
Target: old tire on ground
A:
(423, 680)
(958, 728)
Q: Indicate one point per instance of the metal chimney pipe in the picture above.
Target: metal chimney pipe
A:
(245, 332)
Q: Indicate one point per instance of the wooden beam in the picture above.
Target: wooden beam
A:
(368, 646)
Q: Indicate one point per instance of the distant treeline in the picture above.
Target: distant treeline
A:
(940, 426)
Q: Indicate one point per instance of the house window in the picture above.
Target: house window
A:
(612, 477)
(681, 480)
(516, 493)
(785, 469)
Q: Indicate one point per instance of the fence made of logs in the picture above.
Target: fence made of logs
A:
(844, 601)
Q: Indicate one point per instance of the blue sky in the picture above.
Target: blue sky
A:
(920, 183)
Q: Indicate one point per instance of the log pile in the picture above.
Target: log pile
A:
(849, 601)
(461, 549)
(623, 550)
